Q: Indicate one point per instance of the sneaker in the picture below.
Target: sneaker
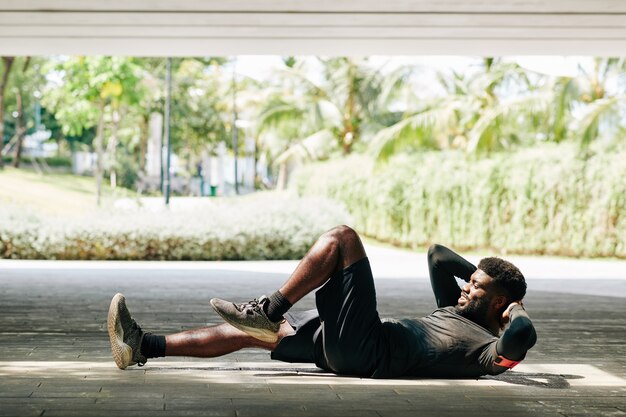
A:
(249, 317)
(125, 334)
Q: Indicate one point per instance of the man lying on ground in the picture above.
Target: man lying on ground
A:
(344, 334)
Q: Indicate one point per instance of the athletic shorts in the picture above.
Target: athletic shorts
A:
(344, 334)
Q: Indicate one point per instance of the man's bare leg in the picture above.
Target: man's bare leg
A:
(334, 250)
(213, 341)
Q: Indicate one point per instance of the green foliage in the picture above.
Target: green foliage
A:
(127, 171)
(262, 226)
(472, 115)
(25, 78)
(341, 106)
(52, 161)
(547, 200)
(313, 108)
(598, 111)
(503, 106)
(201, 106)
(88, 83)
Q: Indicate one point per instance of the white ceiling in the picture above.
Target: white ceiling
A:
(319, 27)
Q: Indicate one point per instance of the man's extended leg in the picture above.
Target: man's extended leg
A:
(213, 341)
(334, 250)
(130, 345)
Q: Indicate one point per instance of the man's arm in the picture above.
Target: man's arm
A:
(444, 265)
(519, 337)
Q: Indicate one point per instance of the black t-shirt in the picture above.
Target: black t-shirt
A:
(442, 344)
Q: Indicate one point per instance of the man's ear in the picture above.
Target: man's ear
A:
(500, 302)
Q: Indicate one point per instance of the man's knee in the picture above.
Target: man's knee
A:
(434, 253)
(348, 242)
(344, 233)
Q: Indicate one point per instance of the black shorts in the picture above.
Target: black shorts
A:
(343, 336)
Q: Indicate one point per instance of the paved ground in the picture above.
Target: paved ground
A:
(55, 359)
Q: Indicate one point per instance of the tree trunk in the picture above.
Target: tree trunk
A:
(20, 128)
(143, 142)
(99, 154)
(8, 63)
(281, 182)
(112, 148)
(256, 182)
(349, 134)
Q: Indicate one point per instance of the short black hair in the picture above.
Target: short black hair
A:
(505, 274)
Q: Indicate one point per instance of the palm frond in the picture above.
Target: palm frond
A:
(304, 80)
(589, 123)
(566, 91)
(277, 114)
(413, 129)
(311, 148)
(392, 84)
(487, 81)
(326, 113)
(530, 103)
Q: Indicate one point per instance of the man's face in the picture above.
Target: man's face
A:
(475, 300)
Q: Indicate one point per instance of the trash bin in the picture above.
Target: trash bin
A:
(213, 189)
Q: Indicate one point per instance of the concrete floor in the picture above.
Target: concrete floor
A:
(55, 357)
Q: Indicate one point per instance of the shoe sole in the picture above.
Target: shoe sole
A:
(122, 353)
(260, 334)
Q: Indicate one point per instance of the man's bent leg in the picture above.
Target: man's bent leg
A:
(350, 325)
(333, 251)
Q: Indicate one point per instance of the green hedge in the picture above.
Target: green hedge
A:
(262, 226)
(52, 161)
(538, 201)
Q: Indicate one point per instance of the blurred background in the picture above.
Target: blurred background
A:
(252, 157)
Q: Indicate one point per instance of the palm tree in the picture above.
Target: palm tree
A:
(308, 117)
(338, 104)
(504, 105)
(602, 109)
(472, 115)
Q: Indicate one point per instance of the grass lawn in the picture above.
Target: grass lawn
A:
(54, 193)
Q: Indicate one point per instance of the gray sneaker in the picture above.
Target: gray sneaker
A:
(125, 335)
(249, 317)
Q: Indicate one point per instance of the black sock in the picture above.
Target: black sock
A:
(153, 346)
(277, 306)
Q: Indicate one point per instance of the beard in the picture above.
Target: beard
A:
(474, 310)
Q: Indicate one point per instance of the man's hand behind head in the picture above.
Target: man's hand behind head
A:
(506, 315)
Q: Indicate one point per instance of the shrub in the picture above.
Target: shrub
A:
(127, 171)
(546, 200)
(262, 226)
(51, 161)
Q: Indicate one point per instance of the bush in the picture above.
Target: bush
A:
(265, 226)
(538, 201)
(127, 171)
(52, 161)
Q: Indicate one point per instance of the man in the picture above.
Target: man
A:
(345, 334)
